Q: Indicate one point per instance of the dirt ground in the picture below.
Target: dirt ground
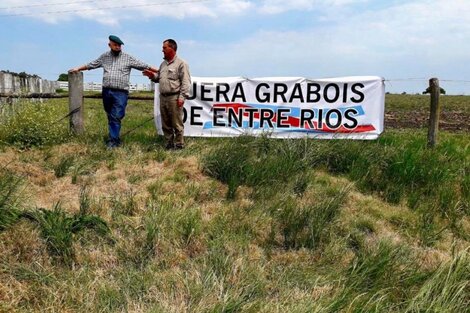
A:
(449, 120)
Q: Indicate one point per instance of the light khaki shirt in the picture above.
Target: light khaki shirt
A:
(174, 77)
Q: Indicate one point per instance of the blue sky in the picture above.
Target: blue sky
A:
(406, 42)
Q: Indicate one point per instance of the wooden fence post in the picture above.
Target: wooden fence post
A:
(76, 102)
(435, 112)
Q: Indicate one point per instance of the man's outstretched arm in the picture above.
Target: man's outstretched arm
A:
(78, 69)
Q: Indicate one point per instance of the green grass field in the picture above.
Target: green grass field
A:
(231, 225)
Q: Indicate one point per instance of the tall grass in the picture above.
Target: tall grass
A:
(189, 226)
(307, 225)
(253, 162)
(142, 241)
(400, 167)
(64, 165)
(58, 230)
(125, 203)
(34, 124)
(229, 164)
(380, 278)
(397, 166)
(447, 290)
(291, 238)
(9, 198)
(151, 228)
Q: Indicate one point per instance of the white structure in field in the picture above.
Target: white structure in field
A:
(25, 84)
(63, 85)
(94, 86)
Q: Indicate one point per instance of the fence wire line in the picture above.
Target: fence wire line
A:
(70, 113)
(50, 4)
(385, 80)
(107, 8)
(87, 74)
(137, 127)
(122, 135)
(424, 79)
(406, 79)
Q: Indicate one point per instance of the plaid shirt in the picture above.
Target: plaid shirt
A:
(117, 69)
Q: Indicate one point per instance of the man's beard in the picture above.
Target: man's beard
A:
(115, 53)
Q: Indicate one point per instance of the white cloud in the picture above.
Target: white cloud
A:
(280, 6)
(111, 12)
(420, 39)
(233, 7)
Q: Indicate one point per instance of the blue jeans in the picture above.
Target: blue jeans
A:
(115, 102)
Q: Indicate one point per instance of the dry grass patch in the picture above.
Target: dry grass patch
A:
(22, 244)
(181, 246)
(126, 177)
(12, 293)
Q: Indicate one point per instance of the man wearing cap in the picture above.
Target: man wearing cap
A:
(174, 83)
(117, 67)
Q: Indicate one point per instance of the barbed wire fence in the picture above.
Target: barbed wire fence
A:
(8, 92)
(76, 104)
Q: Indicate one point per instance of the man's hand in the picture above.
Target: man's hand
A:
(180, 102)
(149, 73)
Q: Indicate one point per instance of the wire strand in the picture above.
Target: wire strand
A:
(106, 8)
(49, 4)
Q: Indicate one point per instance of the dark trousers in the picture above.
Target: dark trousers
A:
(115, 102)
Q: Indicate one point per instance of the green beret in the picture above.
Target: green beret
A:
(116, 39)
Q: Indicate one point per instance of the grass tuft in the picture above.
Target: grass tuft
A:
(307, 226)
(9, 198)
(447, 290)
(58, 230)
(64, 165)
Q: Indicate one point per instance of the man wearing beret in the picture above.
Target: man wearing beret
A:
(174, 84)
(117, 67)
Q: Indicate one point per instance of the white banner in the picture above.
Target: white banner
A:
(284, 107)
